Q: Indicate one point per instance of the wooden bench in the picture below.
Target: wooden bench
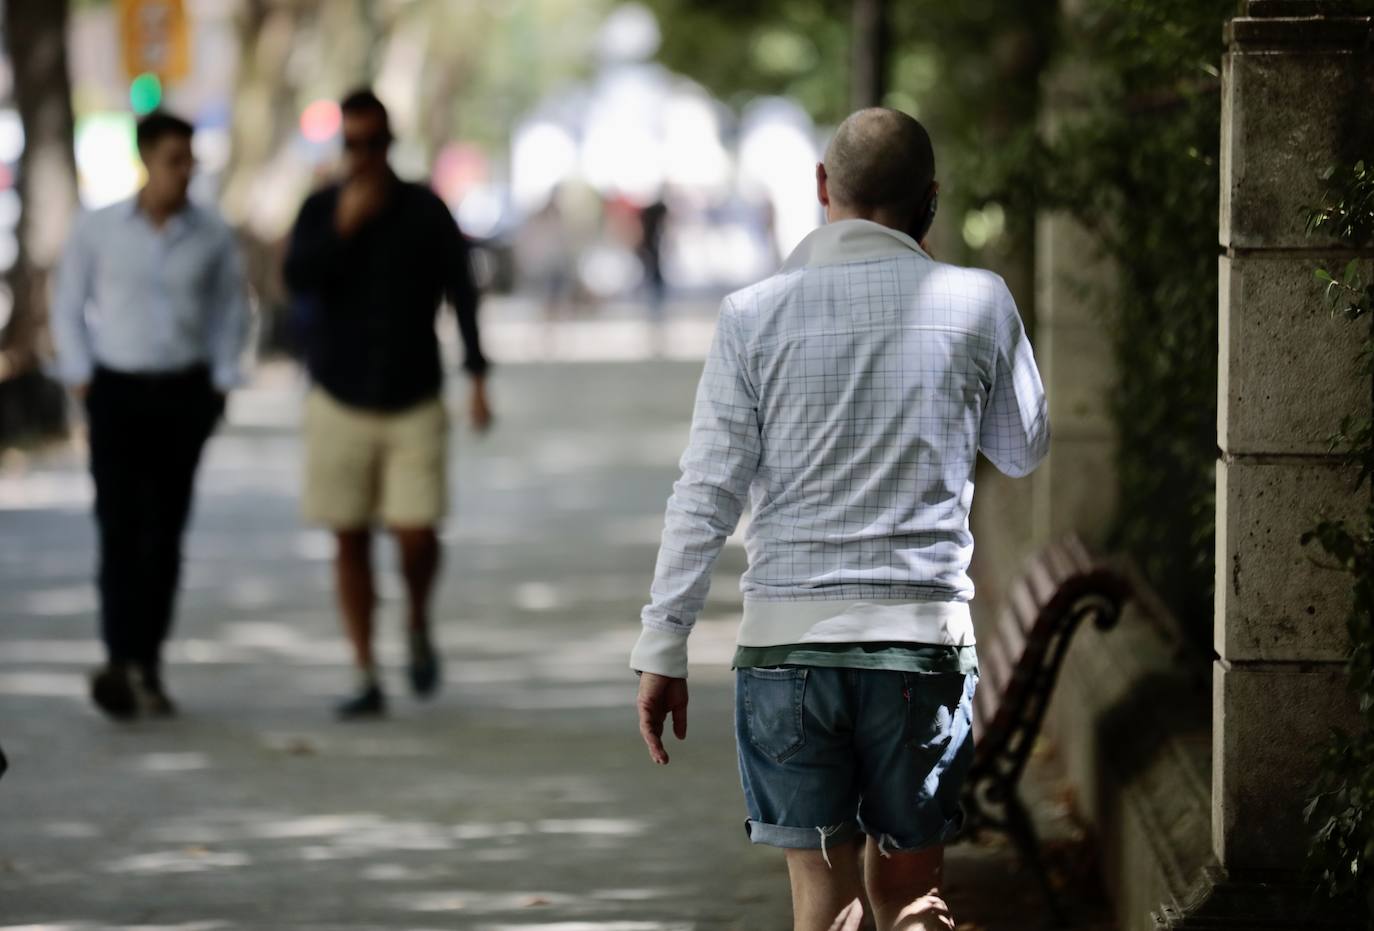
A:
(1019, 662)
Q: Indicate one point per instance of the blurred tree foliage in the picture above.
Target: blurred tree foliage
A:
(740, 49)
(1128, 148)
(970, 71)
(1132, 155)
(447, 71)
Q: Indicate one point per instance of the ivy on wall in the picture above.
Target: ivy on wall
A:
(1341, 808)
(1133, 158)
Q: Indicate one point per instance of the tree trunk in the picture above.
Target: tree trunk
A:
(870, 43)
(36, 39)
(267, 105)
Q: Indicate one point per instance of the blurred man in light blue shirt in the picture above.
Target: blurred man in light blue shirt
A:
(149, 321)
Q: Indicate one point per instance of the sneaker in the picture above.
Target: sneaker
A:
(113, 693)
(369, 702)
(424, 665)
(149, 694)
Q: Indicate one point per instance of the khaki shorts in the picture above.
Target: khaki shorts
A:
(362, 467)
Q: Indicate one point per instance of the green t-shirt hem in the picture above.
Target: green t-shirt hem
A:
(927, 658)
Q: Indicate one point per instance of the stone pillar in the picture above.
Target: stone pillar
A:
(1075, 490)
(1297, 79)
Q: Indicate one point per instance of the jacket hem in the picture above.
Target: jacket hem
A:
(777, 623)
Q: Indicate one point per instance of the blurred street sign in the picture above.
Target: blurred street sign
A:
(155, 38)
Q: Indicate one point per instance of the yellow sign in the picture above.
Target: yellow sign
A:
(156, 38)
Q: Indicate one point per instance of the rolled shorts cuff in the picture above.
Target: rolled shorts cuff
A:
(817, 838)
(909, 843)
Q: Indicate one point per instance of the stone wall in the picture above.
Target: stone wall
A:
(1296, 94)
(1192, 773)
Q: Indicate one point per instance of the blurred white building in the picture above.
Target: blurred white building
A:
(740, 191)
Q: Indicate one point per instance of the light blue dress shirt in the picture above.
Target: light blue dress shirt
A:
(135, 298)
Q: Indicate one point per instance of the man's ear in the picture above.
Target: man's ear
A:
(924, 217)
(822, 189)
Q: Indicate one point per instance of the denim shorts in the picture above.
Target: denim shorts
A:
(826, 754)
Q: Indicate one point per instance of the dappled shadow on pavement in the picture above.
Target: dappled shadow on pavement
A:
(521, 798)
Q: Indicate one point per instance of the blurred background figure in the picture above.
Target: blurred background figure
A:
(150, 322)
(545, 259)
(373, 256)
(652, 220)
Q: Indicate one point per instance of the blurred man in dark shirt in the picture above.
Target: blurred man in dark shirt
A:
(370, 260)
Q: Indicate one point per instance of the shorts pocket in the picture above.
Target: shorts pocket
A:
(773, 710)
(932, 705)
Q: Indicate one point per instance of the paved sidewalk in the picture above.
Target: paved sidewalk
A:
(521, 798)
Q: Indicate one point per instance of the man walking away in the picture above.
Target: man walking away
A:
(848, 396)
(372, 257)
(150, 321)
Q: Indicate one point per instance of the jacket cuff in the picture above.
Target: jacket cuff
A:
(662, 652)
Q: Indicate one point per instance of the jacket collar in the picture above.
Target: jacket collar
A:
(850, 241)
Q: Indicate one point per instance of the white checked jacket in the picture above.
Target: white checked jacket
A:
(846, 398)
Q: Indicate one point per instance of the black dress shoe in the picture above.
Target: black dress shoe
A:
(424, 665)
(149, 694)
(112, 691)
(368, 703)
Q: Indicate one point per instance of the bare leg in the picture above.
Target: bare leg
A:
(904, 888)
(419, 566)
(357, 595)
(820, 890)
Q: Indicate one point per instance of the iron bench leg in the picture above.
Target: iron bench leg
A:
(1022, 832)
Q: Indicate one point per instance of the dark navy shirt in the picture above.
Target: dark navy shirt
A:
(369, 300)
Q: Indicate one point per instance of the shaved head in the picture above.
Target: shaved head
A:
(880, 159)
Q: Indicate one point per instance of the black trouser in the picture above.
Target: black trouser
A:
(146, 435)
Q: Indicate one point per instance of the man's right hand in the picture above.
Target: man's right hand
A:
(659, 696)
(359, 201)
